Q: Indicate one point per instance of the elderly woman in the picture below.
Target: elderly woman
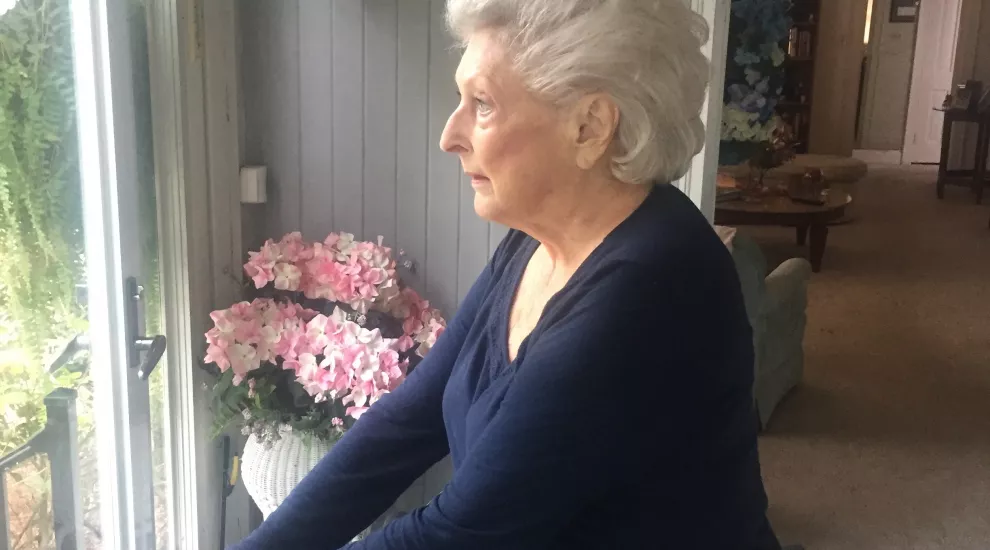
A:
(594, 389)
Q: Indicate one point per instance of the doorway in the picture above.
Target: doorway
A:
(889, 45)
(931, 79)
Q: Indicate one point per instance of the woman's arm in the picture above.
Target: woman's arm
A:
(392, 444)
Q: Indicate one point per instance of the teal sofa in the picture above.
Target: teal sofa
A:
(777, 308)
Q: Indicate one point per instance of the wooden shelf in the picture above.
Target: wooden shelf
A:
(801, 46)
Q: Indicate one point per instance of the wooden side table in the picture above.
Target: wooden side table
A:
(974, 178)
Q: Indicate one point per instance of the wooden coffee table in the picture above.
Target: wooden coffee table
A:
(842, 173)
(782, 211)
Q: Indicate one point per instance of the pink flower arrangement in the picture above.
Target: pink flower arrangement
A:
(338, 333)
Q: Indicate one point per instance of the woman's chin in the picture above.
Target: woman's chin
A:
(485, 206)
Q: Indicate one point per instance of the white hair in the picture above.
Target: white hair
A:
(645, 54)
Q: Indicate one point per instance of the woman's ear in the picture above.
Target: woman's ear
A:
(596, 117)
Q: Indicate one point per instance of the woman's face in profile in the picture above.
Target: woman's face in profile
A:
(512, 145)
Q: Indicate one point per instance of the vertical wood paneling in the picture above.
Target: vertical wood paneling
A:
(348, 115)
(472, 250)
(281, 83)
(443, 208)
(255, 59)
(380, 88)
(316, 89)
(345, 103)
(412, 136)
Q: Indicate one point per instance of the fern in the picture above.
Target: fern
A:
(40, 219)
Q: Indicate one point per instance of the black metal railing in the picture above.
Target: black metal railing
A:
(59, 441)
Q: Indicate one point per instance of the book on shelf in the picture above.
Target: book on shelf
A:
(799, 43)
(804, 44)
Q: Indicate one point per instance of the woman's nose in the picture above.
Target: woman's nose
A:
(453, 140)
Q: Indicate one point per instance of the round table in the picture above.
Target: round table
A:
(841, 173)
(782, 211)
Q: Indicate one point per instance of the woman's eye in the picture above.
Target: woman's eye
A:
(482, 106)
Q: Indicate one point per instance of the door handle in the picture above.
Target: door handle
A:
(153, 347)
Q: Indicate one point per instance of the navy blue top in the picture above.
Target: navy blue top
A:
(626, 420)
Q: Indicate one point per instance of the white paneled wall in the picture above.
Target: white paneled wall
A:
(344, 101)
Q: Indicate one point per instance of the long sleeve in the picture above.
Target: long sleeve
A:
(392, 444)
(565, 430)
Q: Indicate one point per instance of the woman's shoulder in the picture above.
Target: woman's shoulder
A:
(668, 235)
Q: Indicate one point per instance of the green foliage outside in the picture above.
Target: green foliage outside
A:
(41, 243)
(40, 214)
(40, 210)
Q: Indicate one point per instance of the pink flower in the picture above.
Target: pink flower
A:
(356, 412)
(261, 264)
(217, 355)
(330, 357)
(406, 343)
(251, 392)
(293, 248)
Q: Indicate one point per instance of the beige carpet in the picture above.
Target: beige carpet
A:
(886, 444)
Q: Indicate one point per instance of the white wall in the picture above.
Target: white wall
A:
(888, 77)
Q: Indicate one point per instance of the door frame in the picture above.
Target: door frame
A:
(699, 181)
(102, 236)
(185, 241)
(199, 229)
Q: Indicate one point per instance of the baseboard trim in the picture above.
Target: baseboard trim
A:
(874, 156)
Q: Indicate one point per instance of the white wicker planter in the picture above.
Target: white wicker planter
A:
(271, 474)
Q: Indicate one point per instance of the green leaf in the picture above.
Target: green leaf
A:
(10, 398)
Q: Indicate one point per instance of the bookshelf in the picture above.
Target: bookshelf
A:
(800, 47)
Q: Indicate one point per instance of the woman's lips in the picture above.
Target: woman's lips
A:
(478, 180)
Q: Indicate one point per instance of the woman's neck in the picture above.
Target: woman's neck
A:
(572, 227)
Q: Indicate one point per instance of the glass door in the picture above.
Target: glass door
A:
(83, 431)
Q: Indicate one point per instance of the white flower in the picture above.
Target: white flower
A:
(287, 276)
(344, 246)
(777, 56)
(243, 359)
(357, 396)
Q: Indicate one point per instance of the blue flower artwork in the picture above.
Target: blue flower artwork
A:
(754, 75)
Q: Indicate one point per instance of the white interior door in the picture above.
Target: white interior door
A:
(931, 78)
